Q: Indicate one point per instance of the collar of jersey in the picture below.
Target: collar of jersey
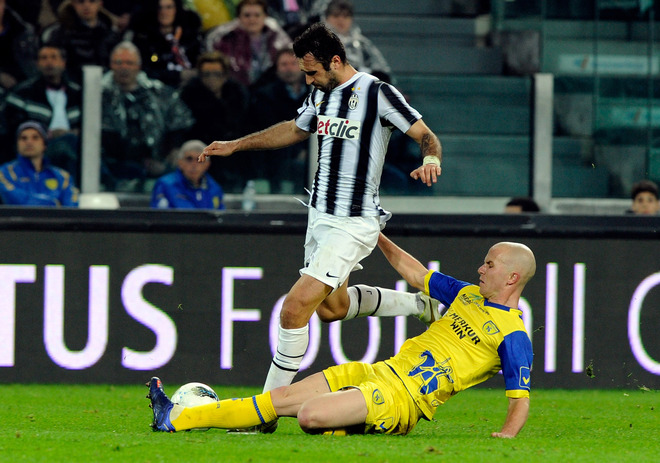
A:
(495, 305)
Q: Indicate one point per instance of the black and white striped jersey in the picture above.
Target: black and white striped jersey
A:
(353, 124)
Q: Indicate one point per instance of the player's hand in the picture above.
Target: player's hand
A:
(217, 148)
(427, 173)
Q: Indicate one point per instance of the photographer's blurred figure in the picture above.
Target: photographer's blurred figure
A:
(31, 180)
(189, 186)
(644, 195)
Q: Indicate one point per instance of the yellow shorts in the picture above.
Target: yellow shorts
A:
(390, 409)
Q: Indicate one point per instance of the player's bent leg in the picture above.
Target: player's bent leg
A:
(335, 306)
(302, 300)
(228, 413)
(334, 410)
(288, 400)
(373, 301)
(293, 336)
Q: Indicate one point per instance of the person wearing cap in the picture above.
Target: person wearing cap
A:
(31, 180)
(189, 187)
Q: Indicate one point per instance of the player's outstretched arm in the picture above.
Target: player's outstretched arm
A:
(408, 267)
(431, 150)
(516, 417)
(277, 136)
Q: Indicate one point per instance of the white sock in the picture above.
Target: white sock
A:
(372, 301)
(291, 347)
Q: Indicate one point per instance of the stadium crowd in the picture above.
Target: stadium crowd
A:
(173, 70)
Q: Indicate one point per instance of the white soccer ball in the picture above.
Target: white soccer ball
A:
(194, 394)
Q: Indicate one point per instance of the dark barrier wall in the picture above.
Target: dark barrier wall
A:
(115, 297)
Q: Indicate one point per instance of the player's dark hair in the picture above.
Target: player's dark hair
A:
(644, 185)
(321, 43)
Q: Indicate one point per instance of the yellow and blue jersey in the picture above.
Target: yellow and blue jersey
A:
(174, 191)
(473, 341)
(21, 184)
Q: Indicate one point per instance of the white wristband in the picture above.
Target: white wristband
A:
(431, 160)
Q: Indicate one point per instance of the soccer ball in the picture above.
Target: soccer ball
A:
(194, 394)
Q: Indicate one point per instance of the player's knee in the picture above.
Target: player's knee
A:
(309, 419)
(294, 315)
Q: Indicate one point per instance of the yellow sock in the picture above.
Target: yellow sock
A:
(228, 414)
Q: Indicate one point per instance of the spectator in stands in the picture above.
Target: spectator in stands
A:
(360, 51)
(86, 31)
(142, 120)
(219, 105)
(250, 41)
(644, 195)
(282, 97)
(55, 102)
(169, 38)
(292, 15)
(122, 12)
(18, 48)
(189, 186)
(31, 180)
(521, 204)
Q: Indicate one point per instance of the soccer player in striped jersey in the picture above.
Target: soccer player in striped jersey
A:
(353, 115)
(481, 333)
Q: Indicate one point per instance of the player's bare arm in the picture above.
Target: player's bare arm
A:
(516, 417)
(277, 136)
(431, 149)
(406, 265)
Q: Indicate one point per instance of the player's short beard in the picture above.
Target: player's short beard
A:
(333, 82)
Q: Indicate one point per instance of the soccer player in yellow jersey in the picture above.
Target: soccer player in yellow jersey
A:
(480, 333)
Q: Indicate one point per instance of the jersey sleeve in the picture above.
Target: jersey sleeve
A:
(306, 118)
(516, 356)
(442, 287)
(392, 107)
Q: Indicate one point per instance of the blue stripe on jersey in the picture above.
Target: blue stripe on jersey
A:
(516, 356)
(445, 288)
(400, 106)
(365, 142)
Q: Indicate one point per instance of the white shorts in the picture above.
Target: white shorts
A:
(334, 246)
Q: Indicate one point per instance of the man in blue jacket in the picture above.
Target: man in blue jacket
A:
(31, 180)
(190, 186)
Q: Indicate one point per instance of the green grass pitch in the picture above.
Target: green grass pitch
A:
(99, 423)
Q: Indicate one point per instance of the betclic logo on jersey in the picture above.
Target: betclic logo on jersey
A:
(338, 127)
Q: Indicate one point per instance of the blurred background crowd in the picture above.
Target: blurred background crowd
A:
(178, 74)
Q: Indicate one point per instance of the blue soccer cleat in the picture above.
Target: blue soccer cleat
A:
(161, 405)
